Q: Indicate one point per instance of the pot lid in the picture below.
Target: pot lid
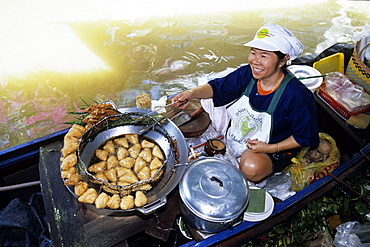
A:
(214, 190)
(313, 76)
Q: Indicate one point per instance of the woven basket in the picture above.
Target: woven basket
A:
(357, 71)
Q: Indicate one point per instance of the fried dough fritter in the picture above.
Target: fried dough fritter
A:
(101, 154)
(102, 200)
(114, 201)
(140, 199)
(127, 202)
(89, 196)
(81, 188)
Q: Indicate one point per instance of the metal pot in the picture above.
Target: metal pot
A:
(165, 134)
(214, 195)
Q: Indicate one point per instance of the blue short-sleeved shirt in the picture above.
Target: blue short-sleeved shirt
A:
(294, 115)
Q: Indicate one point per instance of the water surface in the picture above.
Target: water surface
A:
(55, 55)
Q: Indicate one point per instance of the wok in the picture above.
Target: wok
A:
(166, 134)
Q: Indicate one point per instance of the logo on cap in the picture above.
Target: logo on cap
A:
(263, 33)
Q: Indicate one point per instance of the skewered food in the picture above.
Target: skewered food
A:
(98, 112)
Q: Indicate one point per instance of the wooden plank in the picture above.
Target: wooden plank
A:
(108, 230)
(76, 224)
(61, 207)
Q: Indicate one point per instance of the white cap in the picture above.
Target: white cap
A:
(271, 37)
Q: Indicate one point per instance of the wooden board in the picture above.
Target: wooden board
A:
(196, 126)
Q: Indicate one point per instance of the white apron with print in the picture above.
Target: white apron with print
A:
(247, 122)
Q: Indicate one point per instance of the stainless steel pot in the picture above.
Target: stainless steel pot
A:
(214, 195)
(167, 135)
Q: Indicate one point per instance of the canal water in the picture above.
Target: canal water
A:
(58, 55)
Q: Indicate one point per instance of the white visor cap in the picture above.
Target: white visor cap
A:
(271, 37)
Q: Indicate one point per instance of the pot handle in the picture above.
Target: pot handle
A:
(153, 207)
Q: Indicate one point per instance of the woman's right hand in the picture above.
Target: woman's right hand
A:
(181, 97)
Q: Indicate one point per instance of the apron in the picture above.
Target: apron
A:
(247, 122)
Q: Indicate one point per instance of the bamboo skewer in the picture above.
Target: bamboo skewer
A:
(309, 77)
(204, 143)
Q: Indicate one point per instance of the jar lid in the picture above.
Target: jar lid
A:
(214, 190)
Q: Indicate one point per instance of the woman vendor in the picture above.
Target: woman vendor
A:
(272, 113)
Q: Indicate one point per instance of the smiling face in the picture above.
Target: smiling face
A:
(265, 64)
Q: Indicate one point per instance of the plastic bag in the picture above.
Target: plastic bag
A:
(279, 184)
(219, 117)
(351, 96)
(304, 174)
(352, 234)
(364, 37)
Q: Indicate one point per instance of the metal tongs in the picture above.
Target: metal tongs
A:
(165, 116)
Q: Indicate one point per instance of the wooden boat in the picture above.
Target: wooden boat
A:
(25, 165)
